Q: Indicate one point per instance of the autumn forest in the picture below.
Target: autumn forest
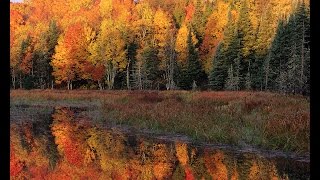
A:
(158, 45)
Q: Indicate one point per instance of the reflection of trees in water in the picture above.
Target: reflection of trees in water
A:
(67, 146)
(29, 153)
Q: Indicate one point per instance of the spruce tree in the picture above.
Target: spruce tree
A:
(231, 83)
(246, 36)
(248, 81)
(275, 57)
(289, 54)
(193, 73)
(218, 74)
(149, 56)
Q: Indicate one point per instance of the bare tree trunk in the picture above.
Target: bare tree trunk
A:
(100, 85)
(51, 84)
(40, 83)
(32, 67)
(170, 65)
(13, 79)
(128, 75)
(20, 81)
(68, 85)
(139, 76)
(111, 73)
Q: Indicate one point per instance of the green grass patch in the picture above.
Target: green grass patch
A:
(259, 119)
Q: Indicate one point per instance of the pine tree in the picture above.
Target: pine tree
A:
(43, 58)
(303, 38)
(231, 83)
(193, 72)
(150, 57)
(146, 69)
(194, 67)
(248, 81)
(246, 36)
(289, 54)
(237, 63)
(219, 71)
(275, 57)
(293, 78)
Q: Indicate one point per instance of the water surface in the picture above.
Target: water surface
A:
(68, 143)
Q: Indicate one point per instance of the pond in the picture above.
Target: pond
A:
(68, 143)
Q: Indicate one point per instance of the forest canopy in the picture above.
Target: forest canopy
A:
(153, 44)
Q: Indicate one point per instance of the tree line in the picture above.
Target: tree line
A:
(150, 44)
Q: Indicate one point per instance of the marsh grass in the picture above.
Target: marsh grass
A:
(259, 119)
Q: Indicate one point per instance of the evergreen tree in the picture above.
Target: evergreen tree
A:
(248, 81)
(303, 46)
(293, 78)
(275, 57)
(194, 67)
(146, 70)
(231, 83)
(219, 71)
(152, 66)
(237, 63)
(289, 55)
(246, 37)
(45, 57)
(193, 73)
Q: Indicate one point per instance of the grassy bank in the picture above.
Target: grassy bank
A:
(260, 119)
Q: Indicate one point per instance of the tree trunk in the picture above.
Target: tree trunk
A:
(20, 81)
(51, 84)
(171, 62)
(128, 75)
(100, 85)
(111, 73)
(139, 77)
(32, 67)
(68, 85)
(40, 83)
(13, 79)
(267, 72)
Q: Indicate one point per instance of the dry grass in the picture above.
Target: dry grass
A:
(260, 119)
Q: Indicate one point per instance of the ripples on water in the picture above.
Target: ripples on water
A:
(62, 143)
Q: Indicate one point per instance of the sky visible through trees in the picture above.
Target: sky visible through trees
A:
(152, 44)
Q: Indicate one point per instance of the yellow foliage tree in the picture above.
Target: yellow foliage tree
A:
(162, 24)
(181, 43)
(110, 50)
(213, 33)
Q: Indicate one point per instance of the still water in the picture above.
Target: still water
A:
(67, 143)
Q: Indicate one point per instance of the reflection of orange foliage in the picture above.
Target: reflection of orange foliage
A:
(216, 167)
(39, 172)
(189, 174)
(254, 171)
(235, 175)
(163, 166)
(161, 170)
(64, 171)
(273, 173)
(27, 133)
(72, 153)
(21, 165)
(69, 139)
(182, 153)
(15, 165)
